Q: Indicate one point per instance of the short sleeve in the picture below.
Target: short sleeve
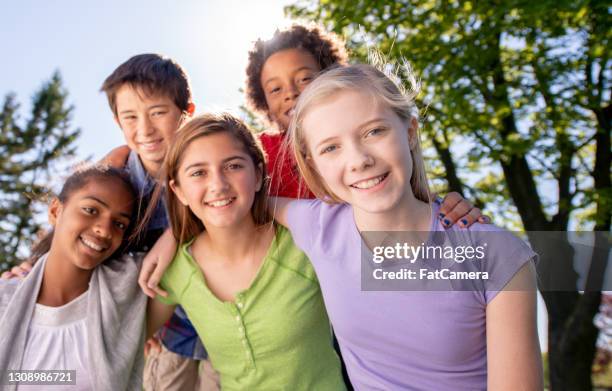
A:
(171, 282)
(507, 254)
(303, 220)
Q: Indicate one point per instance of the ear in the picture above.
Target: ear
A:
(55, 209)
(178, 192)
(260, 178)
(190, 109)
(413, 135)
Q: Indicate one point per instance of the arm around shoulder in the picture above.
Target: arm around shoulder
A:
(279, 207)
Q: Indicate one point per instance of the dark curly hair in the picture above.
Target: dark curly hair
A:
(327, 48)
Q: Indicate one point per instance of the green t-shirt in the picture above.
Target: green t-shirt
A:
(275, 336)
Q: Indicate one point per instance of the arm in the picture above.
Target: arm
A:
(155, 264)
(279, 207)
(117, 157)
(514, 361)
(158, 313)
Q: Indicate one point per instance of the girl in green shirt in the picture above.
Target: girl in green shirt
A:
(251, 294)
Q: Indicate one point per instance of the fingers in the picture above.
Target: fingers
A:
(453, 209)
(469, 219)
(19, 272)
(7, 275)
(152, 346)
(484, 219)
(156, 276)
(148, 265)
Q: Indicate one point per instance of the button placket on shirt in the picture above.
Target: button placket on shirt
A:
(242, 330)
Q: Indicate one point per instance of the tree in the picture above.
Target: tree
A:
(517, 98)
(30, 151)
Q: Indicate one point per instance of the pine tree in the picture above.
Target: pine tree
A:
(30, 151)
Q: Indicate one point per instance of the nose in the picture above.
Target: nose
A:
(359, 158)
(145, 126)
(292, 92)
(218, 182)
(103, 227)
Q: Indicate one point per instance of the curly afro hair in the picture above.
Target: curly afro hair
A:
(327, 48)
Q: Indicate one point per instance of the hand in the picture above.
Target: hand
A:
(117, 157)
(456, 209)
(155, 264)
(20, 271)
(152, 346)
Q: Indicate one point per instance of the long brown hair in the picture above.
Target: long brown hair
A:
(184, 223)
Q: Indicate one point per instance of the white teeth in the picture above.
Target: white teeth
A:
(369, 183)
(150, 144)
(92, 245)
(220, 203)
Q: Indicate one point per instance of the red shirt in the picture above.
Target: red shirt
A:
(282, 168)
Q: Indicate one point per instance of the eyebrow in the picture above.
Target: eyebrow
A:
(127, 216)
(363, 125)
(296, 71)
(204, 164)
(159, 106)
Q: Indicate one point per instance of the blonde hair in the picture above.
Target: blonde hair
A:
(369, 80)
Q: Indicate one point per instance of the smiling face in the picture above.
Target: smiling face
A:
(149, 123)
(217, 180)
(90, 224)
(363, 155)
(284, 76)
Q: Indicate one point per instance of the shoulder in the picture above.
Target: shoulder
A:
(497, 239)
(319, 211)
(286, 254)
(177, 276)
(7, 290)
(497, 251)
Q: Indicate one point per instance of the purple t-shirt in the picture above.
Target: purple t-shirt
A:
(391, 340)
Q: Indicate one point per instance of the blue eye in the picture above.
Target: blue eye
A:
(197, 173)
(375, 131)
(329, 149)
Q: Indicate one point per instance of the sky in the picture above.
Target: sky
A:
(86, 41)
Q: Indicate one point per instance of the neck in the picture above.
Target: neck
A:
(233, 243)
(153, 169)
(62, 281)
(410, 214)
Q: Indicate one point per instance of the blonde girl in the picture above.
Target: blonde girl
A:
(356, 143)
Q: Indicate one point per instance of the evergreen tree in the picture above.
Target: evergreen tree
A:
(30, 151)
